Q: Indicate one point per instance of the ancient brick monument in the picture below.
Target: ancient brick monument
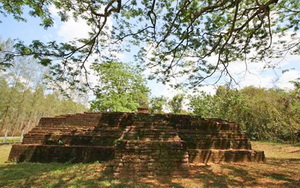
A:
(137, 143)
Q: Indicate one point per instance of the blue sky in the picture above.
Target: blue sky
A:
(255, 75)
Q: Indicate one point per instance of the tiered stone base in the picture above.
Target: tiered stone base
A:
(151, 159)
(219, 156)
(84, 137)
(214, 140)
(140, 144)
(150, 149)
(62, 154)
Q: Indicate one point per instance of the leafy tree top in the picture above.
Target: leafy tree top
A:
(181, 34)
(120, 87)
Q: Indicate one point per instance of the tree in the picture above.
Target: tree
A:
(21, 108)
(264, 114)
(296, 84)
(203, 105)
(179, 33)
(157, 104)
(5, 46)
(176, 104)
(120, 88)
(23, 98)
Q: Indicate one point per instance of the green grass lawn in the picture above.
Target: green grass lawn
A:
(10, 139)
(4, 152)
(282, 169)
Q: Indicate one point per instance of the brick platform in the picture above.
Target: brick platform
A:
(151, 147)
(138, 143)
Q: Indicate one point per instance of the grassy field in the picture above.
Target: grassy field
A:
(10, 139)
(282, 169)
(4, 151)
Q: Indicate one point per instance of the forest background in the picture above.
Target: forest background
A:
(264, 114)
(264, 101)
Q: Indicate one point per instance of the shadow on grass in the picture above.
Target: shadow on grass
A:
(213, 179)
(24, 174)
(286, 174)
(135, 181)
(207, 177)
(60, 175)
(280, 162)
(281, 177)
(101, 175)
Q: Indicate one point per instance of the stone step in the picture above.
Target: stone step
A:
(75, 133)
(53, 130)
(118, 119)
(65, 139)
(58, 153)
(218, 143)
(39, 130)
(219, 156)
(207, 127)
(70, 120)
(201, 135)
(150, 135)
(37, 139)
(197, 131)
(192, 138)
(151, 158)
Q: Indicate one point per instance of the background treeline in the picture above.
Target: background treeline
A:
(22, 107)
(264, 114)
(25, 97)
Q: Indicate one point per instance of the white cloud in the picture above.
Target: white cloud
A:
(255, 74)
(159, 89)
(209, 89)
(250, 74)
(77, 29)
(53, 10)
(72, 29)
(284, 80)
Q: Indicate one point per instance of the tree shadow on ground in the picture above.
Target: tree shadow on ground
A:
(208, 179)
(282, 162)
(273, 173)
(24, 174)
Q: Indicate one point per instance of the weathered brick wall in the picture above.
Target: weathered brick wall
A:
(139, 143)
(150, 148)
(86, 119)
(214, 140)
(138, 158)
(76, 138)
(62, 154)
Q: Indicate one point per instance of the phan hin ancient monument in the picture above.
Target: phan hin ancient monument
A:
(137, 143)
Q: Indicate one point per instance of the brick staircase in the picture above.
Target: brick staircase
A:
(138, 143)
(214, 140)
(84, 137)
(150, 147)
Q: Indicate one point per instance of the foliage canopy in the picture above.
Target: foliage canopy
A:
(265, 114)
(120, 88)
(174, 37)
